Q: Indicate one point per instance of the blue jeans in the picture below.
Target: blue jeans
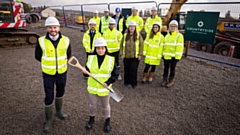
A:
(49, 81)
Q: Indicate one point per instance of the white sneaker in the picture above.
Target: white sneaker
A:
(119, 78)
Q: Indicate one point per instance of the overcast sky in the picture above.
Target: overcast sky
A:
(222, 8)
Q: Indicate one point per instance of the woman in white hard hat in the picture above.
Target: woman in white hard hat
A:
(131, 50)
(153, 46)
(172, 52)
(103, 67)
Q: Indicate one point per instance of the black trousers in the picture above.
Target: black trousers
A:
(49, 81)
(130, 71)
(170, 64)
(116, 56)
(147, 66)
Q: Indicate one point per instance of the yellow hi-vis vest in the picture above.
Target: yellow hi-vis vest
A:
(153, 49)
(150, 21)
(138, 20)
(97, 20)
(136, 45)
(104, 22)
(86, 40)
(102, 74)
(113, 38)
(54, 60)
(173, 46)
(120, 24)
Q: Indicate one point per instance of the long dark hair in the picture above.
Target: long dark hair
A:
(129, 36)
(153, 33)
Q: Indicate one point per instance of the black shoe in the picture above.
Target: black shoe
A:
(107, 127)
(90, 123)
(134, 86)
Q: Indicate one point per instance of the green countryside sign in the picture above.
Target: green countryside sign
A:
(201, 26)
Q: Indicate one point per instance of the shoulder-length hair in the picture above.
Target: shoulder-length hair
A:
(129, 36)
(154, 33)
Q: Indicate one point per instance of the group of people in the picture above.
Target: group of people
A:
(107, 40)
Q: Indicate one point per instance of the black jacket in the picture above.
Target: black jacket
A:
(124, 23)
(38, 49)
(114, 73)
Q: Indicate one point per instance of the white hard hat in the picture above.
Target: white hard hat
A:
(132, 23)
(173, 22)
(100, 42)
(112, 21)
(106, 10)
(92, 22)
(95, 11)
(52, 21)
(134, 8)
(157, 23)
(154, 8)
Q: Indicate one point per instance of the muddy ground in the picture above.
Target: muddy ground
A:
(204, 100)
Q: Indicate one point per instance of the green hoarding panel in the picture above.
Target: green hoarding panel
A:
(201, 26)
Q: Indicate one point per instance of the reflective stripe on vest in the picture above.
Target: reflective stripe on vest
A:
(86, 40)
(102, 74)
(136, 45)
(120, 24)
(54, 60)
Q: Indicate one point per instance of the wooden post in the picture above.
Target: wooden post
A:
(187, 47)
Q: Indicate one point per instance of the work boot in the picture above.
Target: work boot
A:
(59, 113)
(48, 113)
(107, 126)
(90, 123)
(144, 77)
(151, 74)
(164, 82)
(170, 83)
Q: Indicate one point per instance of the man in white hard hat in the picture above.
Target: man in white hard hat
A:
(120, 21)
(113, 38)
(135, 17)
(104, 21)
(151, 20)
(96, 19)
(53, 51)
(104, 68)
(89, 37)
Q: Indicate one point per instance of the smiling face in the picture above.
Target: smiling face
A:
(134, 12)
(111, 26)
(173, 27)
(155, 28)
(132, 29)
(53, 30)
(154, 12)
(101, 50)
(93, 26)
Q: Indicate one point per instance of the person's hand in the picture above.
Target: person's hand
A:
(84, 71)
(139, 57)
(91, 51)
(105, 85)
(122, 57)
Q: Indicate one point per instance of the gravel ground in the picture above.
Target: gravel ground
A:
(204, 100)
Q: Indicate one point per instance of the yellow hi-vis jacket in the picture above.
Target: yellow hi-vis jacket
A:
(136, 45)
(173, 46)
(120, 24)
(104, 25)
(113, 38)
(86, 40)
(97, 20)
(138, 20)
(153, 49)
(102, 74)
(149, 23)
(54, 60)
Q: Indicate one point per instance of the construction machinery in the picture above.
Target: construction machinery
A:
(12, 23)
